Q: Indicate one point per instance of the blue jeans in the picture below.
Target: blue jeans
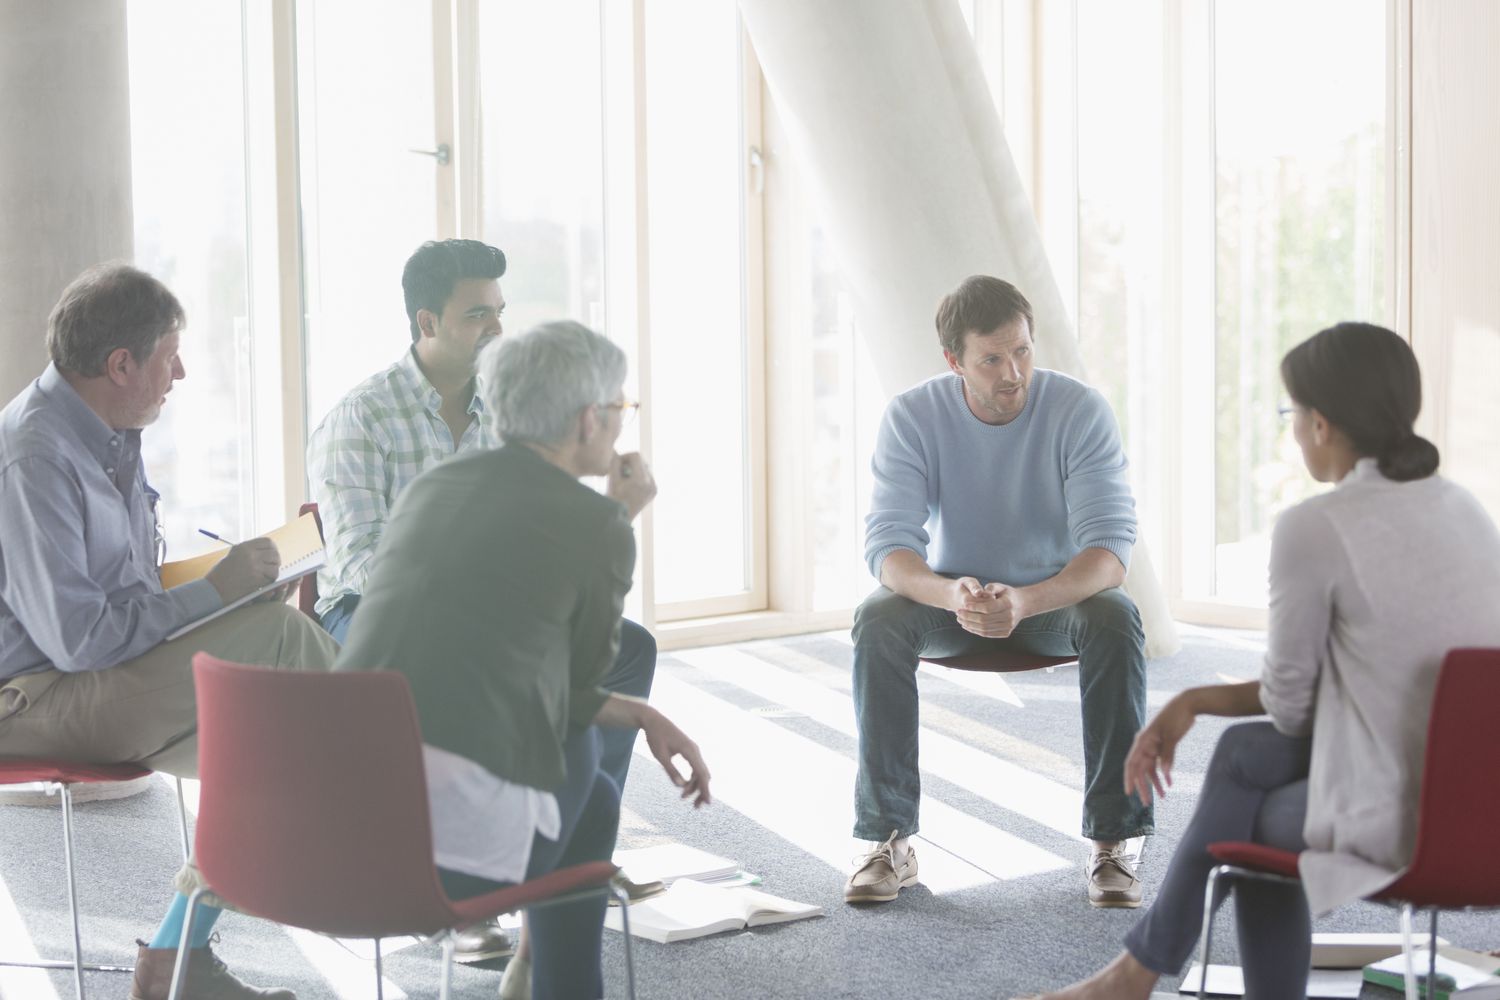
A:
(891, 633)
(631, 673)
(1256, 790)
(565, 938)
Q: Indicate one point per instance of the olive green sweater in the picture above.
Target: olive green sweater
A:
(497, 591)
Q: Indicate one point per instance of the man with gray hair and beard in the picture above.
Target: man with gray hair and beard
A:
(497, 591)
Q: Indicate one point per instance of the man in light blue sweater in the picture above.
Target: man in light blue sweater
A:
(1002, 519)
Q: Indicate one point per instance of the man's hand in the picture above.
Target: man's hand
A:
(246, 568)
(631, 483)
(993, 612)
(1149, 764)
(667, 742)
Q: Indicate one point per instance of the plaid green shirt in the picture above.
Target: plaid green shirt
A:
(378, 438)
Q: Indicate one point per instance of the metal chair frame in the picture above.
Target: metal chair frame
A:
(445, 939)
(1408, 912)
(64, 790)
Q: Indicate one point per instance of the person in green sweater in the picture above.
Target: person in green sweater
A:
(497, 592)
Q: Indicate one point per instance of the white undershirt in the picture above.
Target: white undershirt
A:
(483, 825)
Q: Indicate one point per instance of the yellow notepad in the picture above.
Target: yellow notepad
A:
(299, 544)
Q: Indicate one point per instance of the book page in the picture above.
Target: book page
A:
(763, 908)
(687, 910)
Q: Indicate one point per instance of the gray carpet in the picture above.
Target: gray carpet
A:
(784, 763)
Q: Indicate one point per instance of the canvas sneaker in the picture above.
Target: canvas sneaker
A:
(877, 878)
(1112, 880)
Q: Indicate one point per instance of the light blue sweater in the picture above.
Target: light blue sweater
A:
(1011, 504)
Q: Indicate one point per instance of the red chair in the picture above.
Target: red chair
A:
(1455, 827)
(58, 777)
(313, 812)
(307, 587)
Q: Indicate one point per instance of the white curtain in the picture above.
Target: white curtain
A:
(896, 136)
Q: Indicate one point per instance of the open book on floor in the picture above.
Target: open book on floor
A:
(1461, 974)
(301, 549)
(691, 910)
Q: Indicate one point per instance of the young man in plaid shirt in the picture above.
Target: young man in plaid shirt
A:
(421, 411)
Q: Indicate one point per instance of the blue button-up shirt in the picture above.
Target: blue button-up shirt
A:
(79, 587)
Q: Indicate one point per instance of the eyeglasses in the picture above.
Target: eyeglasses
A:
(628, 409)
(1287, 409)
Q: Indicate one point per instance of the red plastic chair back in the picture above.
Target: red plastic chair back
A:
(314, 801)
(307, 587)
(1459, 814)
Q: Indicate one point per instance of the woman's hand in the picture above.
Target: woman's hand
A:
(667, 743)
(1149, 765)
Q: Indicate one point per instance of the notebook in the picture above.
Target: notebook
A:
(301, 549)
(1229, 981)
(1460, 973)
(691, 909)
(669, 862)
(1334, 950)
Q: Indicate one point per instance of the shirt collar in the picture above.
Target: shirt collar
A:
(106, 444)
(1365, 470)
(410, 372)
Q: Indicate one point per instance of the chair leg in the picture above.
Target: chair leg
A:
(1210, 890)
(66, 794)
(187, 844)
(1406, 948)
(1432, 947)
(623, 898)
(379, 973)
(447, 980)
(180, 966)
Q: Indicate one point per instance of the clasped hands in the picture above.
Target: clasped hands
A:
(991, 610)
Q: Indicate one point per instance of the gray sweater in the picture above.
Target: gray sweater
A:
(1371, 584)
(1011, 503)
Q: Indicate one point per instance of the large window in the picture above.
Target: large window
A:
(1226, 209)
(367, 145)
(188, 189)
(1204, 210)
(701, 433)
(1300, 239)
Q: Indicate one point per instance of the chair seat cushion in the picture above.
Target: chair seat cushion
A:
(23, 771)
(1000, 661)
(1257, 857)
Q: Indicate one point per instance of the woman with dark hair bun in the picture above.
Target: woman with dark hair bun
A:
(1372, 583)
(1363, 379)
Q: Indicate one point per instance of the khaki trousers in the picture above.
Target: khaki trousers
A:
(143, 710)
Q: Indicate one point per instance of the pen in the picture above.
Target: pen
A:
(215, 537)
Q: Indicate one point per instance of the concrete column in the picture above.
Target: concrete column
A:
(64, 188)
(65, 199)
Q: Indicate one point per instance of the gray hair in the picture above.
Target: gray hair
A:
(533, 385)
(107, 307)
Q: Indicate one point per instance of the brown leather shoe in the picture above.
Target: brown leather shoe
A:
(481, 943)
(1112, 880)
(204, 978)
(637, 891)
(878, 878)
